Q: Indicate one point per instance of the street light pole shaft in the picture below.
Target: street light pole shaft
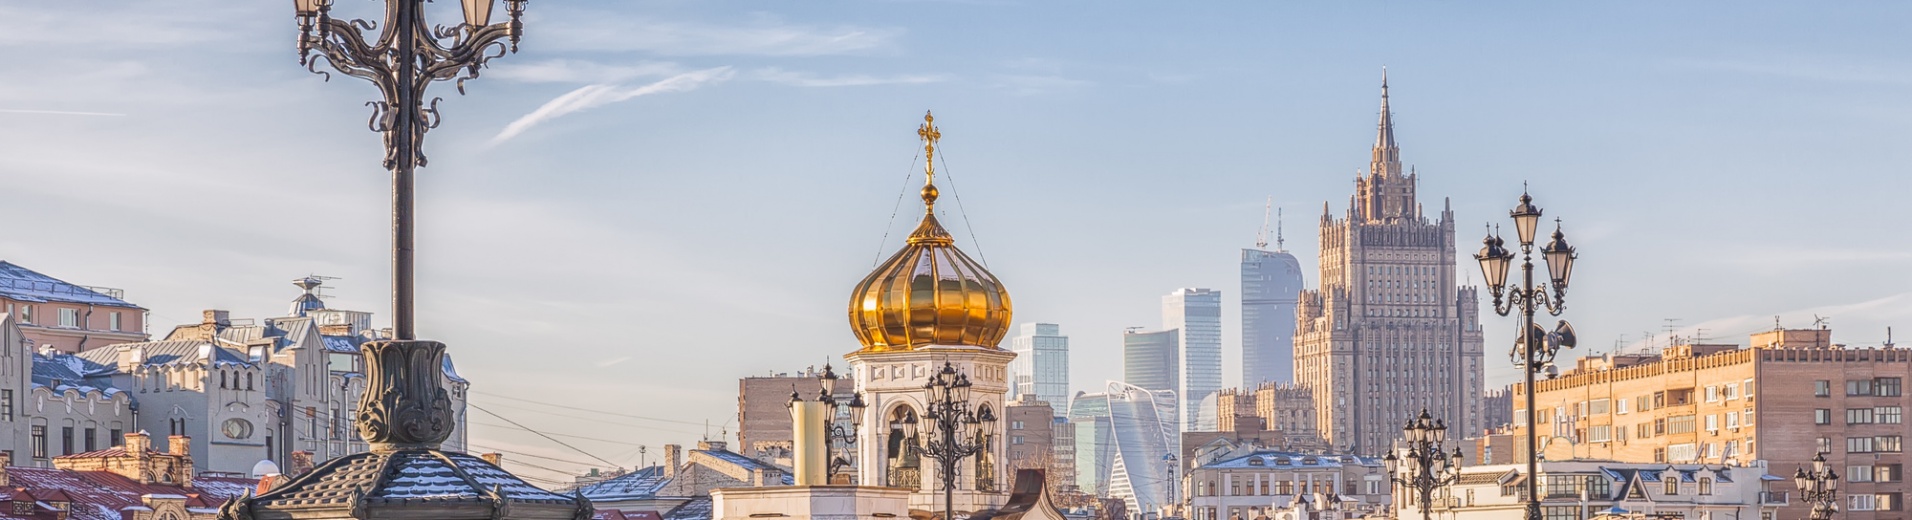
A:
(405, 138)
(1528, 347)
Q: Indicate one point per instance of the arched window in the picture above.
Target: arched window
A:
(222, 380)
(1672, 486)
(1706, 485)
(248, 380)
(905, 466)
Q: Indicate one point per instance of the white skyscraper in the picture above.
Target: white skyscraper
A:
(1041, 367)
(1196, 314)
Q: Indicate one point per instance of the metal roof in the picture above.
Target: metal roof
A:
(27, 285)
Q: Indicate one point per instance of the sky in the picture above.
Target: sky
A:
(652, 199)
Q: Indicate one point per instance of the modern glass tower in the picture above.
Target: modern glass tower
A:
(1131, 433)
(1152, 359)
(1041, 367)
(1197, 314)
(1270, 284)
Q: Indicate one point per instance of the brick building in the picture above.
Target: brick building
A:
(763, 414)
(1286, 409)
(1031, 433)
(1791, 394)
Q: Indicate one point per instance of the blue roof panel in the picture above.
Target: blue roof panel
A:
(20, 283)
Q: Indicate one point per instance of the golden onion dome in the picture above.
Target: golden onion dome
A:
(929, 293)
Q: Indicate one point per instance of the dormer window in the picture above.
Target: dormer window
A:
(1672, 486)
(1255, 461)
(258, 354)
(22, 507)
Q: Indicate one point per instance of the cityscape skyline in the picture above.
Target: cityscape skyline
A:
(589, 271)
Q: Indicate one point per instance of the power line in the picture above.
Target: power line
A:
(523, 454)
(541, 434)
(599, 421)
(554, 405)
(563, 435)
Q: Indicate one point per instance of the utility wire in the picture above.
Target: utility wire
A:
(561, 434)
(961, 211)
(554, 405)
(601, 421)
(541, 434)
(907, 175)
(523, 454)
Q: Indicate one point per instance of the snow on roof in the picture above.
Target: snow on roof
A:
(1270, 458)
(101, 495)
(696, 509)
(640, 484)
(341, 343)
(20, 283)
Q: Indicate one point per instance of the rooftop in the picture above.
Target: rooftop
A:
(27, 285)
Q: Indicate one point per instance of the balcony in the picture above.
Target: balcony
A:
(1773, 497)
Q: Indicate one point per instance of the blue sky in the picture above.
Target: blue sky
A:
(655, 198)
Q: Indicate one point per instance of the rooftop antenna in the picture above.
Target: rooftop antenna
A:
(1699, 336)
(642, 462)
(1261, 235)
(1820, 322)
(1280, 243)
(1776, 323)
(1888, 337)
(1671, 326)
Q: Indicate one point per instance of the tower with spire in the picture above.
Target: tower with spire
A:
(1390, 331)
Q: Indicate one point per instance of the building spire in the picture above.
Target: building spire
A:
(1387, 156)
(930, 135)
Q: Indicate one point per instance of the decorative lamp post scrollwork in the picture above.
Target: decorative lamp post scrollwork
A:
(839, 438)
(405, 58)
(1429, 466)
(1819, 488)
(952, 425)
(1535, 349)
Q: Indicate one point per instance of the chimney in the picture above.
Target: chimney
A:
(498, 459)
(708, 445)
(673, 455)
(131, 358)
(299, 463)
(213, 320)
(6, 459)
(138, 442)
(181, 446)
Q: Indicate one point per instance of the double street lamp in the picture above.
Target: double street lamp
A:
(953, 425)
(1429, 466)
(838, 438)
(1535, 348)
(1819, 488)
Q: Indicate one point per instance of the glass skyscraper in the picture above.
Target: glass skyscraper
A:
(1196, 314)
(1270, 285)
(1152, 359)
(1123, 438)
(1041, 367)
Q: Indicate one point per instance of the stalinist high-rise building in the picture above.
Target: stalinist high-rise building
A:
(1389, 331)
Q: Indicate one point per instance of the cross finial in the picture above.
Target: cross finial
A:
(929, 134)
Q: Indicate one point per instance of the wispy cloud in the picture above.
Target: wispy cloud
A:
(1837, 69)
(584, 71)
(592, 96)
(1888, 309)
(613, 361)
(763, 36)
(807, 79)
(57, 112)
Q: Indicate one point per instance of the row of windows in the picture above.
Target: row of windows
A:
(67, 318)
(1878, 473)
(1874, 415)
(90, 441)
(1869, 444)
(1882, 387)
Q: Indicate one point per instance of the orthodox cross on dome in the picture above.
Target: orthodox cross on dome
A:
(929, 135)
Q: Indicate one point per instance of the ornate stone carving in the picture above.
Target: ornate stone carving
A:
(405, 405)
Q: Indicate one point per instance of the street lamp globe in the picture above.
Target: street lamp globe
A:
(1526, 218)
(478, 12)
(1494, 261)
(1560, 258)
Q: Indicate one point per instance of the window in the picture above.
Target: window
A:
(1858, 416)
(39, 442)
(1680, 424)
(1823, 445)
(70, 318)
(1015, 439)
(1857, 502)
(1598, 407)
(1885, 387)
(115, 437)
(1706, 485)
(1712, 394)
(1887, 415)
(113, 321)
(1682, 452)
(66, 440)
(1858, 445)
(6, 404)
(1659, 454)
(1746, 417)
(1822, 416)
(1888, 473)
(1712, 423)
(1859, 387)
(1563, 486)
(1732, 449)
(1560, 513)
(1887, 444)
(1732, 420)
(1822, 388)
(1620, 406)
(1729, 392)
(26, 314)
(1888, 501)
(92, 439)
(1599, 487)
(1672, 486)
(1748, 386)
(1602, 433)
(1858, 473)
(1015, 425)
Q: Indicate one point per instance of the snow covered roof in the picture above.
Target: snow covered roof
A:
(101, 495)
(20, 283)
(164, 353)
(1278, 458)
(696, 509)
(640, 484)
(404, 479)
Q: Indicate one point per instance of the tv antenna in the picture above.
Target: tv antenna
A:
(1261, 235)
(1820, 322)
(1888, 337)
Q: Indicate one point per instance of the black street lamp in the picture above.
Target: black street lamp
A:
(952, 425)
(1429, 466)
(839, 438)
(1819, 488)
(1535, 349)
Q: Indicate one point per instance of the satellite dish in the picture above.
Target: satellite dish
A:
(263, 468)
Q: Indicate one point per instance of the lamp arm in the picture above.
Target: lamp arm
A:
(341, 44)
(1555, 304)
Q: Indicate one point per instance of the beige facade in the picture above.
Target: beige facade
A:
(1572, 490)
(1246, 481)
(1390, 331)
(1030, 435)
(1792, 394)
(763, 417)
(1286, 410)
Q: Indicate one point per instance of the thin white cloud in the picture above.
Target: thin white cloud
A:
(1734, 329)
(57, 112)
(613, 361)
(807, 79)
(764, 36)
(592, 96)
(1836, 69)
(583, 71)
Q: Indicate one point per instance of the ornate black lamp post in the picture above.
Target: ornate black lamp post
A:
(1819, 488)
(952, 425)
(1429, 466)
(1535, 350)
(839, 437)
